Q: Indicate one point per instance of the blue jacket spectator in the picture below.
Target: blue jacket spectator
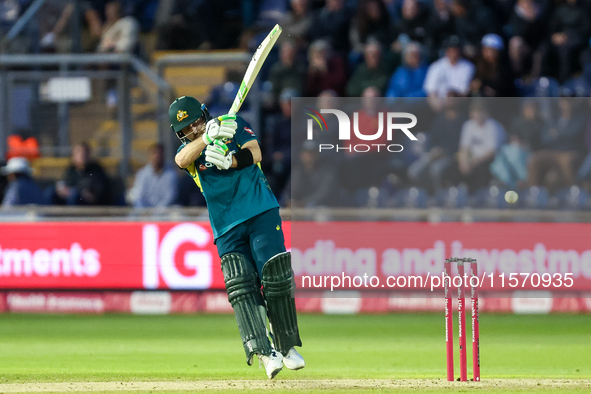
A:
(21, 190)
(408, 79)
(510, 164)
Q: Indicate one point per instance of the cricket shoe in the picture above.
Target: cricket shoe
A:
(293, 360)
(273, 363)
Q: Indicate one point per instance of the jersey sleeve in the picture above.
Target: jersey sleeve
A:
(191, 170)
(244, 133)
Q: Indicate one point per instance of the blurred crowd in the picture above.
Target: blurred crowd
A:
(115, 26)
(468, 152)
(435, 49)
(399, 49)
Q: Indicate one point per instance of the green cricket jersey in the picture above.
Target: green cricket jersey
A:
(233, 196)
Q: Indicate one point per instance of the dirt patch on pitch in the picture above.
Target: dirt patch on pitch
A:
(300, 385)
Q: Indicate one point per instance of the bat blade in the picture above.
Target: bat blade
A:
(254, 67)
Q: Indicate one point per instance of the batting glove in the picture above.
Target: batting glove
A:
(222, 127)
(218, 154)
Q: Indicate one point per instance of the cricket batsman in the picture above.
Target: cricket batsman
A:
(223, 156)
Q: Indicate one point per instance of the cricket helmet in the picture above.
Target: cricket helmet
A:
(184, 111)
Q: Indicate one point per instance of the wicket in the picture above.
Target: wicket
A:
(462, 320)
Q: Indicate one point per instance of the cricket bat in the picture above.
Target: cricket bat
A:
(254, 67)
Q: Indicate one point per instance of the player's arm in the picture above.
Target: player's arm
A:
(189, 153)
(216, 130)
(254, 149)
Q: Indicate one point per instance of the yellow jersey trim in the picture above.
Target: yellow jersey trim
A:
(192, 170)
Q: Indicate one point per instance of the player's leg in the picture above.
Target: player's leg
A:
(243, 288)
(244, 294)
(278, 288)
(274, 264)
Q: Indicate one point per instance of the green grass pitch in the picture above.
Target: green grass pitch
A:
(39, 349)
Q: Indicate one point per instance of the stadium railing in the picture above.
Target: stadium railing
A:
(35, 213)
(30, 72)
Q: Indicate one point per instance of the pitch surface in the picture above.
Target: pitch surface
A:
(402, 353)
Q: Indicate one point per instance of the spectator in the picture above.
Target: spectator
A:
(480, 139)
(268, 13)
(472, 21)
(94, 15)
(53, 19)
(526, 28)
(493, 75)
(431, 170)
(528, 126)
(394, 9)
(84, 182)
(326, 99)
(312, 182)
(408, 79)
(188, 195)
(120, 34)
(287, 72)
(372, 21)
(155, 184)
(144, 11)
(297, 22)
(413, 22)
(584, 172)
(569, 32)
(10, 12)
(370, 73)
(332, 24)
(562, 140)
(187, 28)
(21, 188)
(277, 144)
(510, 164)
(440, 27)
(326, 71)
(366, 168)
(450, 75)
